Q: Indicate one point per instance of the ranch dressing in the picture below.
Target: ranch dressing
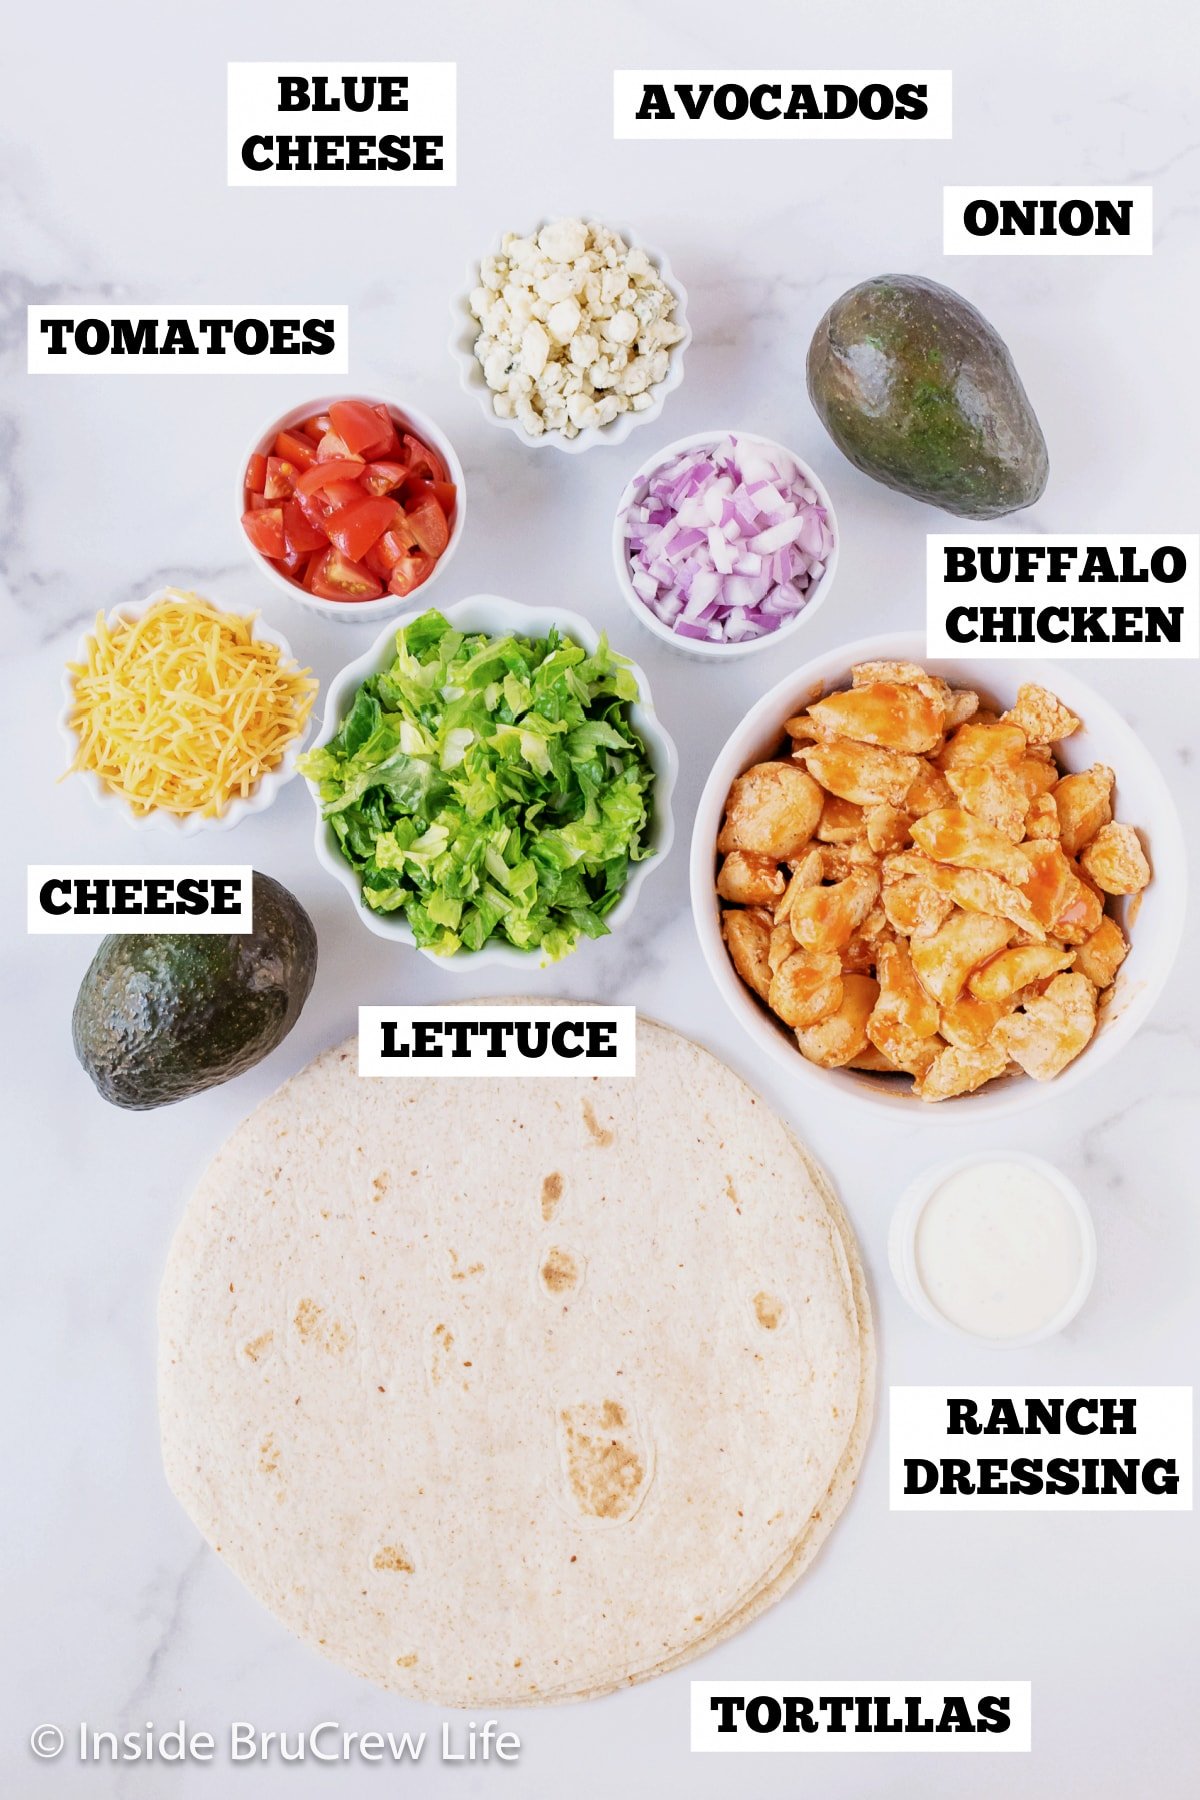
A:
(999, 1249)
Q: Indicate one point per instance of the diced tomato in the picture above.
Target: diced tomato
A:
(427, 522)
(344, 493)
(346, 468)
(382, 477)
(334, 577)
(349, 503)
(378, 562)
(300, 533)
(281, 478)
(422, 460)
(355, 528)
(389, 444)
(295, 448)
(409, 573)
(313, 506)
(359, 426)
(333, 448)
(265, 530)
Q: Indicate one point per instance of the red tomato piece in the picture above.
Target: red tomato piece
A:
(422, 460)
(281, 478)
(313, 506)
(300, 533)
(359, 427)
(427, 522)
(355, 528)
(446, 495)
(387, 550)
(382, 477)
(334, 577)
(332, 448)
(409, 573)
(345, 468)
(256, 474)
(389, 444)
(343, 493)
(293, 563)
(316, 427)
(265, 530)
(295, 448)
(255, 502)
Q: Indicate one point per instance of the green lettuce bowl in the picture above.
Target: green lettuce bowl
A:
(491, 802)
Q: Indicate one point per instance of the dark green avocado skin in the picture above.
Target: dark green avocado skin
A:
(914, 386)
(159, 1018)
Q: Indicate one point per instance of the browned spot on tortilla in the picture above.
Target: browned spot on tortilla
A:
(257, 1348)
(460, 1273)
(552, 1192)
(442, 1365)
(768, 1310)
(731, 1192)
(311, 1329)
(560, 1271)
(380, 1185)
(605, 1468)
(407, 1662)
(390, 1558)
(600, 1132)
(268, 1455)
(308, 1319)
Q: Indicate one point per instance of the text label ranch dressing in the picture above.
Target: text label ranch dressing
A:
(999, 1250)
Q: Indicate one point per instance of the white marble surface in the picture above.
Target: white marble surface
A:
(113, 167)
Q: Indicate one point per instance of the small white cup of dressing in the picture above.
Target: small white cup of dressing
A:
(998, 1247)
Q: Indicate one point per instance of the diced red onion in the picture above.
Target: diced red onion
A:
(725, 544)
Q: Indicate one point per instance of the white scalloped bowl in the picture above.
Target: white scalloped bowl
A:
(1154, 927)
(265, 790)
(707, 650)
(385, 606)
(472, 380)
(493, 614)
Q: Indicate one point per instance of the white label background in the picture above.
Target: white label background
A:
(372, 1062)
(704, 1721)
(207, 924)
(958, 241)
(628, 85)
(253, 99)
(917, 1427)
(942, 596)
(231, 362)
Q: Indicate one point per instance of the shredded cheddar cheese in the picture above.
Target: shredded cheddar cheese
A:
(184, 709)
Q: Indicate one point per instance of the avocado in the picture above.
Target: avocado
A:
(915, 387)
(159, 1018)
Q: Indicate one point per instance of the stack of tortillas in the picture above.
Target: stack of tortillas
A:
(506, 1391)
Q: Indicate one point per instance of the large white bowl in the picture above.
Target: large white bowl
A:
(1142, 799)
(386, 606)
(265, 789)
(497, 616)
(466, 328)
(706, 649)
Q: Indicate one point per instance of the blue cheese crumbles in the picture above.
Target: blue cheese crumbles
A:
(576, 327)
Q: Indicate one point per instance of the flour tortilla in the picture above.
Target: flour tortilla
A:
(500, 1392)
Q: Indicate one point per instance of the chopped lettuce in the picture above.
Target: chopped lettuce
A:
(490, 788)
